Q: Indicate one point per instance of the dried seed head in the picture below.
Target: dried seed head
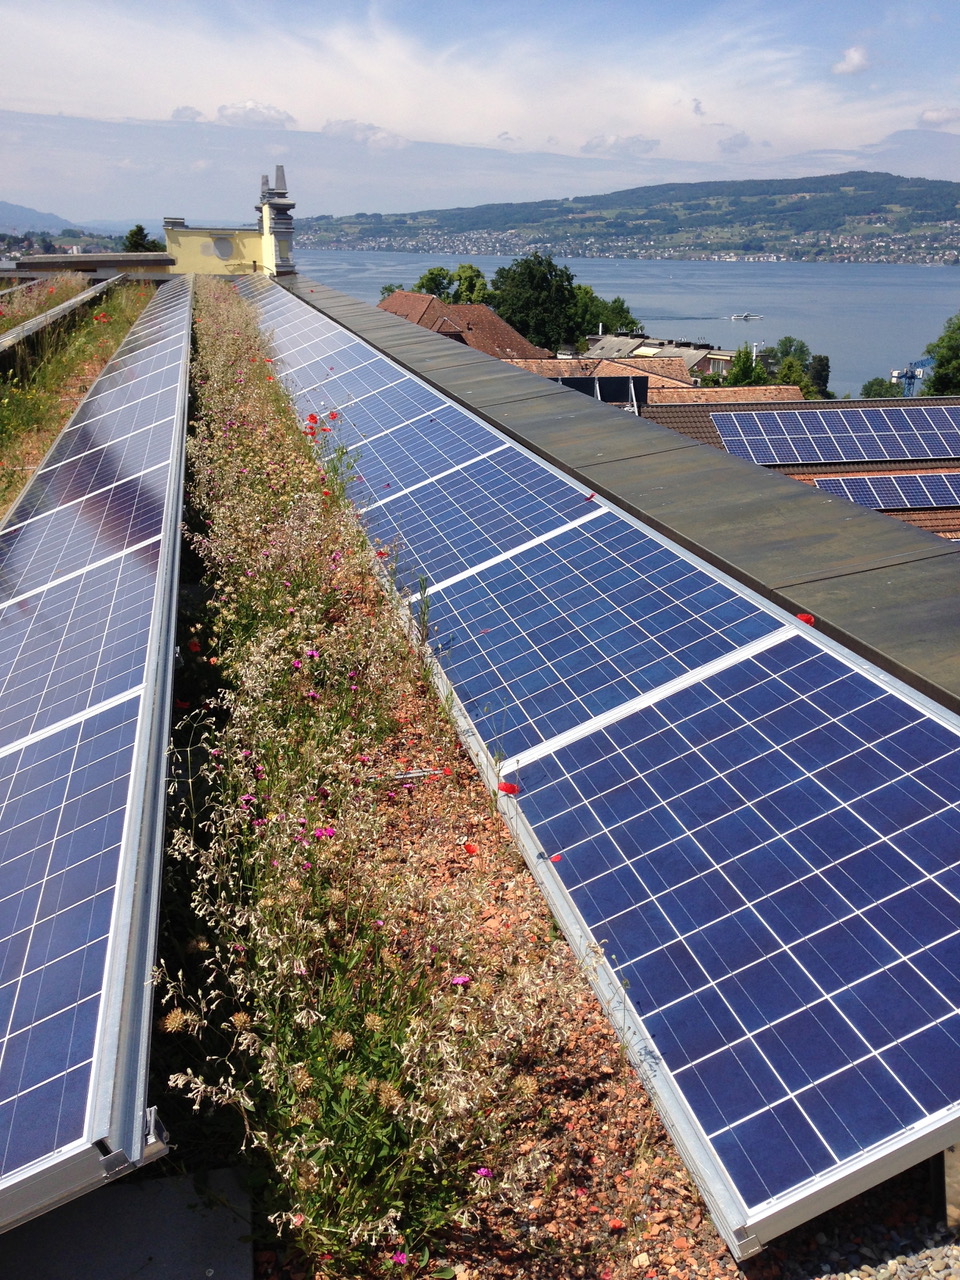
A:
(390, 1097)
(242, 1021)
(335, 897)
(526, 1086)
(176, 1020)
(373, 1022)
(301, 1078)
(342, 1040)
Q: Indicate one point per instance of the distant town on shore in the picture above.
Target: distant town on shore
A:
(846, 217)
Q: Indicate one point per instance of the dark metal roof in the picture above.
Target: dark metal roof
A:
(888, 591)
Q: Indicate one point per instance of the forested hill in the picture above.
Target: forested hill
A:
(856, 216)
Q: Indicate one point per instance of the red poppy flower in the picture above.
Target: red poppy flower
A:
(382, 555)
(470, 848)
(326, 428)
(557, 857)
(312, 417)
(508, 788)
(193, 646)
(808, 618)
(590, 497)
(333, 415)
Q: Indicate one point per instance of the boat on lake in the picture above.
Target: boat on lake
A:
(746, 315)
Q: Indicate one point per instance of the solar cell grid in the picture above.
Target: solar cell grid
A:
(75, 644)
(410, 453)
(577, 625)
(850, 435)
(896, 492)
(476, 513)
(62, 804)
(83, 529)
(775, 910)
(77, 469)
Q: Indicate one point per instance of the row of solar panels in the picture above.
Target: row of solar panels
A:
(759, 832)
(896, 493)
(771, 437)
(88, 559)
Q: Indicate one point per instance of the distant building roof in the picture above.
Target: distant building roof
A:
(661, 373)
(724, 395)
(473, 324)
(612, 346)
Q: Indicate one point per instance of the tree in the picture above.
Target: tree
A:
(137, 241)
(791, 373)
(470, 284)
(877, 388)
(773, 357)
(789, 346)
(387, 289)
(745, 371)
(818, 371)
(537, 297)
(438, 281)
(595, 313)
(944, 379)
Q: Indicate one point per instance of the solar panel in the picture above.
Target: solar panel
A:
(896, 493)
(783, 436)
(758, 833)
(87, 557)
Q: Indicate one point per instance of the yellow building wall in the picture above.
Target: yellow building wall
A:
(216, 251)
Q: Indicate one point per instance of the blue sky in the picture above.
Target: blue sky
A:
(132, 109)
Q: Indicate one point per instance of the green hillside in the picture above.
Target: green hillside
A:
(859, 216)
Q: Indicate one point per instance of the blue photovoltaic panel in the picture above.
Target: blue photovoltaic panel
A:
(473, 514)
(76, 643)
(82, 465)
(896, 493)
(395, 460)
(577, 625)
(783, 436)
(761, 837)
(81, 531)
(62, 804)
(770, 860)
(84, 590)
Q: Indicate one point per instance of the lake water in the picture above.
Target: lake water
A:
(868, 318)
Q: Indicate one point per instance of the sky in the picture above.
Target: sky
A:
(130, 110)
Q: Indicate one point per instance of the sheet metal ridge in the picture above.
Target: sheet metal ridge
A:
(886, 590)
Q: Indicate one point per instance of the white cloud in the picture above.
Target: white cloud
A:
(937, 117)
(472, 77)
(369, 135)
(854, 59)
(735, 143)
(629, 148)
(254, 115)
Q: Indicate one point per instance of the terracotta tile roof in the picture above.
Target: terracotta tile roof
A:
(473, 324)
(661, 373)
(725, 395)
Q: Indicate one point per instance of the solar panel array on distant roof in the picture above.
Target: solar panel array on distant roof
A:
(86, 562)
(759, 832)
(781, 436)
(896, 493)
